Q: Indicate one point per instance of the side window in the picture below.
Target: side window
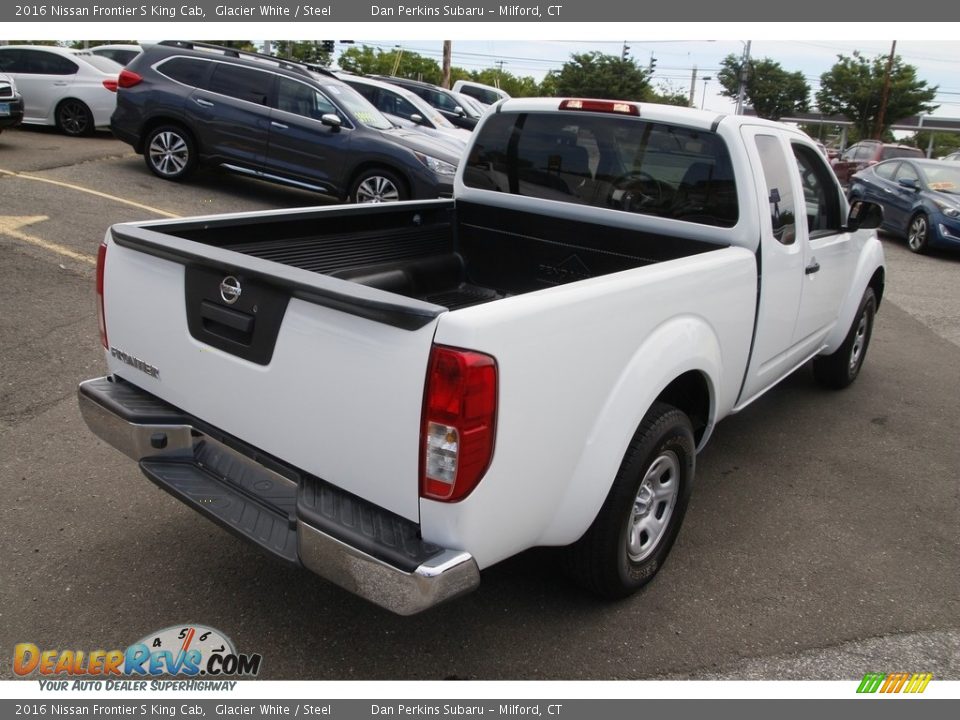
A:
(189, 71)
(45, 63)
(12, 61)
(777, 175)
(906, 171)
(301, 99)
(240, 83)
(850, 152)
(885, 170)
(819, 192)
(867, 151)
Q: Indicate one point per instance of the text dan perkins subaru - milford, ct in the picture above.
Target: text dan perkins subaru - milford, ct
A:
(397, 396)
(463, 11)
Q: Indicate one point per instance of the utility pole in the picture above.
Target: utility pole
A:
(499, 64)
(447, 48)
(693, 87)
(623, 52)
(745, 63)
(706, 79)
(885, 96)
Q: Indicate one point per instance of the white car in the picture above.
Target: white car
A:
(408, 110)
(72, 90)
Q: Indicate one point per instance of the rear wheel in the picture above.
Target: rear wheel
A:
(74, 118)
(841, 368)
(633, 532)
(918, 233)
(170, 152)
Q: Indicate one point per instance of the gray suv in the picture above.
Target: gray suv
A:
(181, 103)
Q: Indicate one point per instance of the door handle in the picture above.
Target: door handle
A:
(203, 103)
(275, 124)
(813, 267)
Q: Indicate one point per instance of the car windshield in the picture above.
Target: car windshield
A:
(358, 107)
(943, 178)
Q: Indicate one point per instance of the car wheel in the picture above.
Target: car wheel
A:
(170, 152)
(839, 369)
(918, 233)
(377, 185)
(74, 118)
(633, 532)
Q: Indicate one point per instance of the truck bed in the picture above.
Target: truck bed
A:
(448, 256)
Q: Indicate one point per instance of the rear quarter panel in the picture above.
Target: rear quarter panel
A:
(579, 365)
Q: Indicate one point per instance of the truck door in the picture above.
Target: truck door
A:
(781, 260)
(829, 254)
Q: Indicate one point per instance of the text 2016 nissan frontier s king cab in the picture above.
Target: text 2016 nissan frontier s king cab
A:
(397, 396)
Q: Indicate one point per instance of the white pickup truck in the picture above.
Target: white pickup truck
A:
(397, 396)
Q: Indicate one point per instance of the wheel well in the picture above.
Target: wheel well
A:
(876, 282)
(360, 169)
(690, 393)
(153, 123)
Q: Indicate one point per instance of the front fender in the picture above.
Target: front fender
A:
(871, 259)
(682, 344)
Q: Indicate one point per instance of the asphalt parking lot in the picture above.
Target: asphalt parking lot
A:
(821, 541)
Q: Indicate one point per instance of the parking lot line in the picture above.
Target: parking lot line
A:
(90, 191)
(10, 226)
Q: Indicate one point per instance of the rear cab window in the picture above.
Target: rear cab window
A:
(605, 161)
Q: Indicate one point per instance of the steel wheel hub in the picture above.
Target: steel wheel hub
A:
(377, 189)
(653, 506)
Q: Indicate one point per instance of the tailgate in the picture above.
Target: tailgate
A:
(324, 374)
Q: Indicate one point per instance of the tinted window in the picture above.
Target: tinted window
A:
(778, 178)
(118, 55)
(103, 64)
(819, 192)
(487, 96)
(241, 83)
(12, 61)
(39, 62)
(188, 71)
(609, 162)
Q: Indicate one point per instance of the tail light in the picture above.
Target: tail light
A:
(128, 78)
(459, 419)
(101, 318)
(110, 84)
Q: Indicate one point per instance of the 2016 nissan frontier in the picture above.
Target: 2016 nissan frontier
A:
(397, 396)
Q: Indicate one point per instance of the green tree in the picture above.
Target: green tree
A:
(771, 91)
(854, 87)
(597, 75)
(245, 45)
(366, 60)
(943, 142)
(81, 44)
(308, 51)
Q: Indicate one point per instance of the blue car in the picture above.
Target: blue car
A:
(920, 200)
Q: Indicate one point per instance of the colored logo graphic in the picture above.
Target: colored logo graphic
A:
(190, 650)
(894, 683)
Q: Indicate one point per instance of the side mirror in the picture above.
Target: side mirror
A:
(332, 121)
(864, 215)
(417, 118)
(909, 183)
(460, 111)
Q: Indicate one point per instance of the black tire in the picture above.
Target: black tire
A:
(170, 152)
(74, 118)
(918, 233)
(839, 369)
(376, 185)
(649, 494)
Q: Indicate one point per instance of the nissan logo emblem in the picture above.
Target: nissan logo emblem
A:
(230, 289)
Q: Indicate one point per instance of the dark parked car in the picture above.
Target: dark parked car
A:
(449, 105)
(11, 103)
(181, 103)
(869, 152)
(920, 200)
